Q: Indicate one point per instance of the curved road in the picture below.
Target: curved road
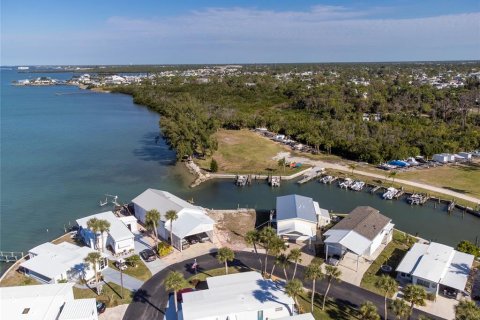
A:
(151, 299)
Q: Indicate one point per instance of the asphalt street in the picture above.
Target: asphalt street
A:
(150, 300)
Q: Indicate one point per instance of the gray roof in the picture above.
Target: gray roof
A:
(295, 207)
(79, 309)
(118, 230)
(365, 220)
(162, 201)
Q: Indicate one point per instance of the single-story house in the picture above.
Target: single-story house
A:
(118, 238)
(443, 157)
(465, 155)
(437, 267)
(46, 301)
(192, 220)
(50, 263)
(299, 217)
(362, 232)
(244, 295)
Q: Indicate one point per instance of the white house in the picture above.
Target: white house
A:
(443, 157)
(240, 296)
(50, 263)
(465, 155)
(118, 238)
(299, 217)
(192, 220)
(47, 301)
(362, 232)
(437, 267)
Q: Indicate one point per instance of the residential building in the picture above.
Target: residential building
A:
(299, 217)
(46, 301)
(437, 267)
(244, 295)
(118, 238)
(362, 232)
(51, 263)
(192, 220)
(443, 157)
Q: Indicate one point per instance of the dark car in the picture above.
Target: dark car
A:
(101, 307)
(148, 255)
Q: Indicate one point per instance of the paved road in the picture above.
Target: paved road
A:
(374, 175)
(151, 299)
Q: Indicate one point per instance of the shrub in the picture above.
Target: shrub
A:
(213, 166)
(164, 249)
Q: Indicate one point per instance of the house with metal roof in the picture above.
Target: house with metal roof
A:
(299, 217)
(118, 239)
(436, 267)
(46, 301)
(244, 295)
(192, 220)
(51, 263)
(362, 232)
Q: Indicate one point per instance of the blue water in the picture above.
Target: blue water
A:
(63, 148)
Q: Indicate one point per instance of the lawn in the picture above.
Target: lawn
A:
(391, 255)
(244, 151)
(14, 278)
(204, 274)
(462, 178)
(140, 272)
(110, 294)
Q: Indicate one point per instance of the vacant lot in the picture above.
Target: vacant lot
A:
(232, 225)
(110, 294)
(463, 178)
(244, 151)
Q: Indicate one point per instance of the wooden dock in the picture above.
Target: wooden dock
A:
(399, 194)
(10, 256)
(312, 174)
(451, 206)
(374, 189)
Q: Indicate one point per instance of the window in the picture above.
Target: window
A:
(423, 283)
(260, 315)
(279, 309)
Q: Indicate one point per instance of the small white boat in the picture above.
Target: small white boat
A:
(346, 183)
(357, 185)
(390, 193)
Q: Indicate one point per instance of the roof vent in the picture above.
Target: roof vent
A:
(25, 311)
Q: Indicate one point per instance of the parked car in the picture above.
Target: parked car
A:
(185, 244)
(148, 255)
(101, 307)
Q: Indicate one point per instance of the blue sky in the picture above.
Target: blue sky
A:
(170, 32)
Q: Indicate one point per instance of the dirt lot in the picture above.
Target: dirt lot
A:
(232, 225)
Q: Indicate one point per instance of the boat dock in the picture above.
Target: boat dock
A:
(311, 174)
(374, 189)
(399, 194)
(241, 181)
(328, 179)
(274, 181)
(451, 206)
(417, 199)
(10, 256)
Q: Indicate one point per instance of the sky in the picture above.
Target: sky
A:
(89, 32)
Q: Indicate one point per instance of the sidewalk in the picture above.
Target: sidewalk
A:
(130, 283)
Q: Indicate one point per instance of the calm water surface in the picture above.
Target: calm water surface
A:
(63, 148)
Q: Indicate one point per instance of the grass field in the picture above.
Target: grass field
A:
(110, 294)
(140, 272)
(244, 151)
(464, 178)
(14, 278)
(391, 255)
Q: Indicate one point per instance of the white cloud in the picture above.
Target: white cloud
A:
(324, 33)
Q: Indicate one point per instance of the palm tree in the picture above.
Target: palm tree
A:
(368, 311)
(151, 220)
(282, 163)
(103, 226)
(93, 225)
(171, 215)
(93, 258)
(332, 273)
(133, 260)
(293, 289)
(175, 282)
(268, 239)
(414, 294)
(251, 238)
(389, 286)
(284, 261)
(314, 273)
(400, 308)
(294, 256)
(277, 247)
(352, 166)
(467, 310)
(392, 175)
(224, 255)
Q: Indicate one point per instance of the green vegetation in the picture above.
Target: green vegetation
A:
(213, 166)
(469, 247)
(137, 270)
(110, 295)
(171, 216)
(151, 219)
(164, 249)
(391, 255)
(225, 255)
(324, 110)
(467, 310)
(175, 282)
(460, 178)
(15, 278)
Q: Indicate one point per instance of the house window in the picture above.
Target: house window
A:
(279, 309)
(103, 263)
(423, 283)
(260, 315)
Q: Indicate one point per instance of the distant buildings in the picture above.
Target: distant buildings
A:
(45, 302)
(436, 267)
(244, 295)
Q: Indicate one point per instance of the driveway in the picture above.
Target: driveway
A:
(151, 299)
(130, 283)
(143, 242)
